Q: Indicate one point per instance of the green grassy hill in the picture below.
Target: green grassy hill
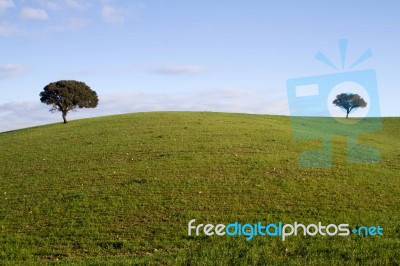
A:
(122, 189)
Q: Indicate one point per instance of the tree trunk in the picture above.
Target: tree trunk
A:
(64, 116)
(347, 114)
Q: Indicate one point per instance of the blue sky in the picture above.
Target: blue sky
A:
(152, 55)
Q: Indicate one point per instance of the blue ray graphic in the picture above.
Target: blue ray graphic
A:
(367, 54)
(320, 57)
(343, 50)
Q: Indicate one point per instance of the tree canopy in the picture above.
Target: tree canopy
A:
(67, 95)
(349, 102)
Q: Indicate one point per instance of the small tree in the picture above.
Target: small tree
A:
(349, 102)
(67, 95)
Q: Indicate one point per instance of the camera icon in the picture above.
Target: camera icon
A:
(314, 117)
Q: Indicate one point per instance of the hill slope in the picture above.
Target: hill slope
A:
(122, 189)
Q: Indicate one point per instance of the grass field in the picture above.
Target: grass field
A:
(122, 189)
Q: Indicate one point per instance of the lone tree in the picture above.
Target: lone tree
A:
(67, 95)
(349, 102)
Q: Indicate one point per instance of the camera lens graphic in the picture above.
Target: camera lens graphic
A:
(339, 113)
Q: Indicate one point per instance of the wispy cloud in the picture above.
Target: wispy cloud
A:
(47, 4)
(33, 13)
(112, 15)
(65, 24)
(181, 69)
(8, 29)
(52, 5)
(62, 14)
(5, 4)
(75, 23)
(15, 115)
(74, 4)
(11, 70)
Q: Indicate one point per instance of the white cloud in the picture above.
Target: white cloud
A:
(11, 70)
(75, 4)
(51, 5)
(72, 23)
(5, 4)
(7, 29)
(15, 115)
(77, 22)
(34, 13)
(112, 15)
(181, 69)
